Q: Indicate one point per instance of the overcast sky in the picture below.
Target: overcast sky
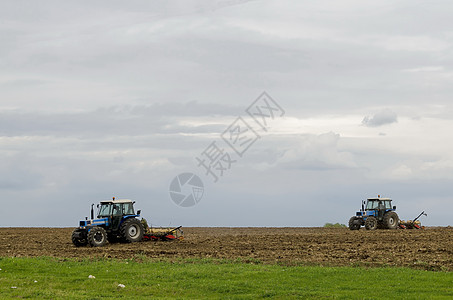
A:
(108, 98)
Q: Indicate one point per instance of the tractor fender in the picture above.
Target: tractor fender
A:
(124, 218)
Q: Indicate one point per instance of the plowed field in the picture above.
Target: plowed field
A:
(430, 249)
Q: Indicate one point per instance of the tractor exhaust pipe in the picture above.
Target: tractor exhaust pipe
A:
(92, 211)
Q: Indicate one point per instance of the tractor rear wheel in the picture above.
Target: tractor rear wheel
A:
(352, 224)
(391, 220)
(97, 236)
(132, 230)
(371, 223)
(79, 237)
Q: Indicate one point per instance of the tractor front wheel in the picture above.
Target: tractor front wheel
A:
(97, 236)
(132, 230)
(391, 220)
(353, 224)
(79, 237)
(371, 223)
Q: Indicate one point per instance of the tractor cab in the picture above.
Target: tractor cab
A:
(115, 211)
(383, 204)
(116, 208)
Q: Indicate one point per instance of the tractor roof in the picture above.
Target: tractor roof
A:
(387, 199)
(117, 201)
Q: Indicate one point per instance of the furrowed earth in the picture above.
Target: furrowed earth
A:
(429, 249)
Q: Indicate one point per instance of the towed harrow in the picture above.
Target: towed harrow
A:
(161, 233)
(412, 224)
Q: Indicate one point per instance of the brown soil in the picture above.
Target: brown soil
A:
(430, 249)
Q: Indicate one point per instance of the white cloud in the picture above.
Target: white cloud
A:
(401, 172)
(383, 117)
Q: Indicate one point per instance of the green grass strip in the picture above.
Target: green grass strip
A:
(51, 278)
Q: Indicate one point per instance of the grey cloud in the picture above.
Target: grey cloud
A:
(383, 117)
(22, 83)
(152, 51)
(118, 120)
(191, 108)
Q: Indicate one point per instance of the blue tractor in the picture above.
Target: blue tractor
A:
(116, 221)
(376, 213)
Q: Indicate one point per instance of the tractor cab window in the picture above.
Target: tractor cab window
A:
(105, 210)
(128, 209)
(388, 205)
(372, 204)
(117, 209)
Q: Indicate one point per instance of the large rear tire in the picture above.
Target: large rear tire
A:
(391, 220)
(97, 237)
(132, 230)
(371, 223)
(79, 237)
(352, 224)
